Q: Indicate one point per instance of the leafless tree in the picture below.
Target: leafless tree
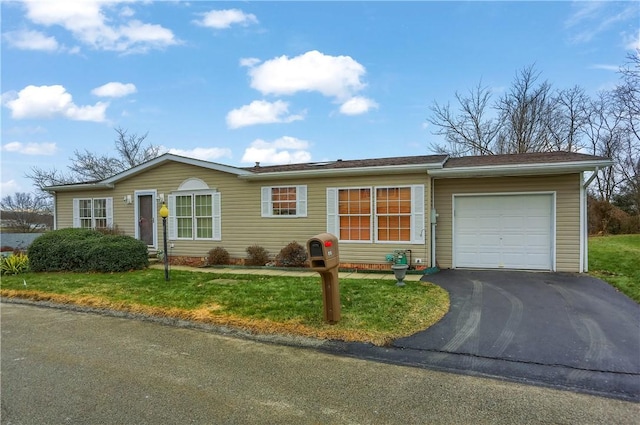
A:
(88, 166)
(469, 131)
(25, 212)
(526, 110)
(567, 119)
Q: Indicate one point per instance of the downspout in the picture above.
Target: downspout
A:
(55, 211)
(584, 224)
(432, 217)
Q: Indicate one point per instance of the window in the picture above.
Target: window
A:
(393, 214)
(354, 210)
(382, 214)
(194, 216)
(284, 201)
(93, 213)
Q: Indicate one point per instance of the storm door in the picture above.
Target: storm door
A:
(145, 218)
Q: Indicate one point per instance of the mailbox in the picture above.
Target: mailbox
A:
(324, 258)
(323, 252)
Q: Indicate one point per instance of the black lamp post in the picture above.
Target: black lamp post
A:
(164, 213)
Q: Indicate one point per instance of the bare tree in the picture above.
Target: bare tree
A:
(529, 117)
(567, 119)
(25, 212)
(469, 131)
(526, 110)
(88, 166)
(604, 132)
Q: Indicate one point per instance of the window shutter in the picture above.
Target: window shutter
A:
(76, 212)
(109, 206)
(266, 202)
(301, 197)
(172, 227)
(332, 211)
(217, 216)
(417, 214)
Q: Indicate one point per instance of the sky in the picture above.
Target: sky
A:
(277, 82)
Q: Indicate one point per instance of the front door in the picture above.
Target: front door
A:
(145, 218)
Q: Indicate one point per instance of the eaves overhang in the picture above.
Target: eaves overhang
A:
(78, 186)
(520, 169)
(340, 172)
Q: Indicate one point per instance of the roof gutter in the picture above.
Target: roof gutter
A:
(79, 186)
(521, 169)
(333, 172)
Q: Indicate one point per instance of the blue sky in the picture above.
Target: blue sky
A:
(277, 82)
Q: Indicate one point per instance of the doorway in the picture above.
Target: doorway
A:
(146, 217)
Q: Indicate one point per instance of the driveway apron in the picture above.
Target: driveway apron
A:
(555, 329)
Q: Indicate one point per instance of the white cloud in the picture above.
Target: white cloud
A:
(49, 102)
(632, 41)
(31, 40)
(333, 76)
(222, 19)
(93, 24)
(114, 89)
(357, 105)
(615, 68)
(10, 186)
(590, 19)
(261, 112)
(31, 148)
(249, 62)
(285, 150)
(206, 154)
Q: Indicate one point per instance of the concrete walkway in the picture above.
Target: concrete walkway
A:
(296, 273)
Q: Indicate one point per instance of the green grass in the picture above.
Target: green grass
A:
(616, 260)
(372, 310)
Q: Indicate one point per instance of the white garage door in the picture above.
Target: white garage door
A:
(503, 231)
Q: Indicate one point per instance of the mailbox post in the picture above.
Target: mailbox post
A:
(324, 258)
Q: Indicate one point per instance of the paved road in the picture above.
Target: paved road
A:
(63, 367)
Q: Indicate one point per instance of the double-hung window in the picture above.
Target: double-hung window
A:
(194, 215)
(93, 213)
(377, 214)
(284, 201)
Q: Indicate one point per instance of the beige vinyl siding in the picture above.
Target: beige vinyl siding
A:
(242, 223)
(567, 211)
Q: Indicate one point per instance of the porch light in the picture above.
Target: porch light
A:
(164, 213)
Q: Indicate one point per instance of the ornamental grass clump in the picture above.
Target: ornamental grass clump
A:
(14, 264)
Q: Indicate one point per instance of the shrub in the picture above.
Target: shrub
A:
(218, 256)
(82, 250)
(256, 256)
(292, 255)
(14, 264)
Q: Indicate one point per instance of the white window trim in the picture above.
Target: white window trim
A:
(215, 215)
(418, 226)
(266, 201)
(333, 217)
(108, 207)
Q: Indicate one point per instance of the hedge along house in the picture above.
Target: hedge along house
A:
(525, 211)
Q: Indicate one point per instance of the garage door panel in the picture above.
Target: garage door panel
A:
(503, 231)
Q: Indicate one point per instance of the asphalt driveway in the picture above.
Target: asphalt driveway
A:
(556, 329)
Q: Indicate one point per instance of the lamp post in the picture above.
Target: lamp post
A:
(164, 213)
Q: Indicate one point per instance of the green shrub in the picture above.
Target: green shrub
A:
(218, 256)
(14, 264)
(82, 250)
(256, 256)
(292, 255)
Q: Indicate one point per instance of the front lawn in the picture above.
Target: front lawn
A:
(373, 311)
(616, 260)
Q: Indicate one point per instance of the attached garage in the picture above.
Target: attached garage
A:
(511, 231)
